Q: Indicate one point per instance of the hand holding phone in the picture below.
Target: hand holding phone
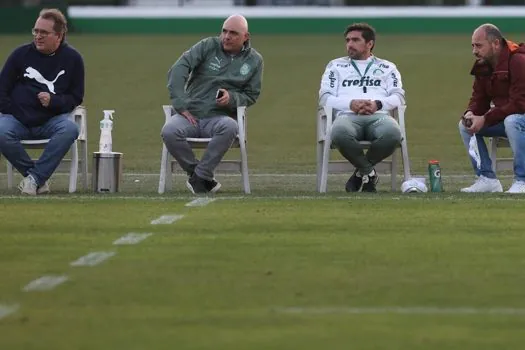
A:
(222, 97)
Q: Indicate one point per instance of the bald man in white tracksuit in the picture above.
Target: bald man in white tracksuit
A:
(362, 89)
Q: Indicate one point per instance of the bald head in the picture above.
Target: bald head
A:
(487, 42)
(488, 32)
(238, 22)
(234, 34)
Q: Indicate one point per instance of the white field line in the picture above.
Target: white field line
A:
(200, 202)
(92, 259)
(45, 283)
(417, 310)
(6, 310)
(166, 219)
(132, 238)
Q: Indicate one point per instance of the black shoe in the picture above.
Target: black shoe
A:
(212, 186)
(196, 184)
(354, 182)
(370, 181)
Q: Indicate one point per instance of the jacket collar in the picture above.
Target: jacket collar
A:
(246, 46)
(60, 47)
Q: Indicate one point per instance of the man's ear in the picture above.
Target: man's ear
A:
(498, 44)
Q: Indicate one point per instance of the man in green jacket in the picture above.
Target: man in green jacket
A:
(206, 85)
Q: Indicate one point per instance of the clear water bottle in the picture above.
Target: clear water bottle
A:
(106, 125)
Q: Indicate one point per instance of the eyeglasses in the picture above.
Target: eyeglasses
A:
(42, 33)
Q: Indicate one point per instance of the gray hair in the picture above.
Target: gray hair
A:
(492, 32)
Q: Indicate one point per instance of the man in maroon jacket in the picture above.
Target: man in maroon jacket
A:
(497, 106)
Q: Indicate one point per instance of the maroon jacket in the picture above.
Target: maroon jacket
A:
(504, 86)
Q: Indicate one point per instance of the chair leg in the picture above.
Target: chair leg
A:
(163, 169)
(393, 171)
(73, 171)
(9, 175)
(84, 162)
(319, 165)
(169, 174)
(324, 164)
(244, 169)
(493, 145)
(406, 160)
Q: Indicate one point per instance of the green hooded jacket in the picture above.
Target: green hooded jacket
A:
(194, 79)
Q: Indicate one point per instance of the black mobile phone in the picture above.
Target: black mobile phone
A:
(219, 94)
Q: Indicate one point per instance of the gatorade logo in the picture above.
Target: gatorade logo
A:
(437, 173)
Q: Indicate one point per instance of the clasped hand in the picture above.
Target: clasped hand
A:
(364, 107)
(44, 98)
(473, 122)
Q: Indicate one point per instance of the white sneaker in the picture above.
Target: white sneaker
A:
(44, 189)
(484, 184)
(517, 187)
(28, 186)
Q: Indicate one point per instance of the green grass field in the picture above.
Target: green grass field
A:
(226, 275)
(284, 268)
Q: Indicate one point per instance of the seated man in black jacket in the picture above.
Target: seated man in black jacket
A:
(41, 83)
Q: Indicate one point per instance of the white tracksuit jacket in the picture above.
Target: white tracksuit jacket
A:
(342, 83)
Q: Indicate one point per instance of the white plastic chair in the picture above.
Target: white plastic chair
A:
(324, 146)
(499, 163)
(79, 115)
(168, 165)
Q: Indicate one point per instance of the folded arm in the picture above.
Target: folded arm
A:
(65, 103)
(516, 102)
(394, 88)
(329, 91)
(479, 102)
(180, 72)
(8, 78)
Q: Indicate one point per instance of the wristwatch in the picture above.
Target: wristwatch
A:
(379, 104)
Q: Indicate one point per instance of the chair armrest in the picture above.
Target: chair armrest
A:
(168, 109)
(400, 114)
(79, 116)
(241, 122)
(324, 122)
